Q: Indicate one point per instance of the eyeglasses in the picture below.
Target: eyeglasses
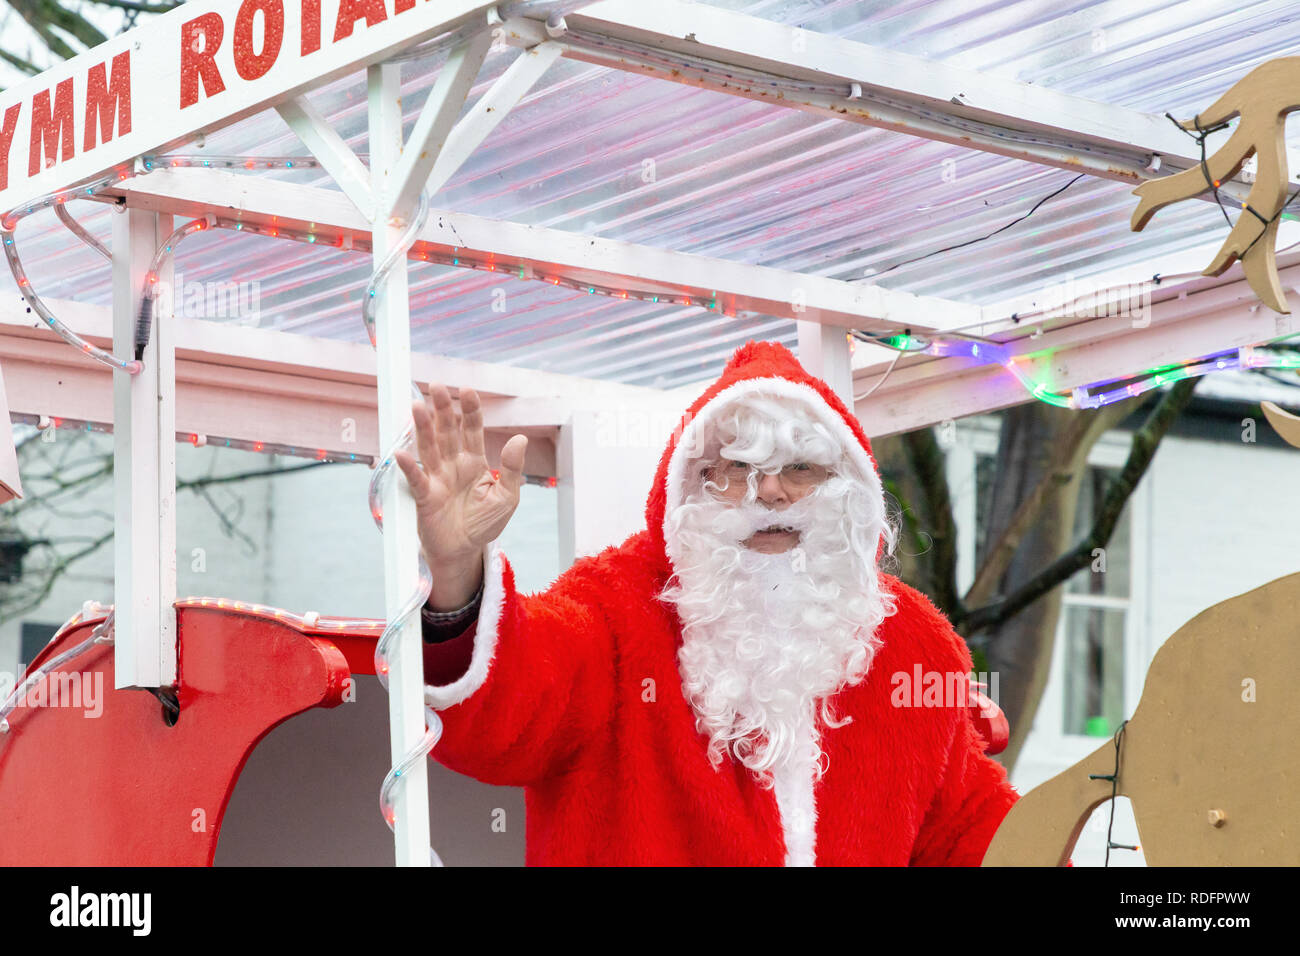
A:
(732, 477)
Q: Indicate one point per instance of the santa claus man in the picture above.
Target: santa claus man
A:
(720, 688)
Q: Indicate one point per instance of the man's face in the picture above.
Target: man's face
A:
(729, 481)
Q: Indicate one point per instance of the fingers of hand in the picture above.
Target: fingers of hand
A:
(472, 424)
(512, 463)
(446, 431)
(424, 437)
(416, 479)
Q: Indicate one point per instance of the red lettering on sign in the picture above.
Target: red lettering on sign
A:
(310, 26)
(401, 6)
(103, 95)
(200, 40)
(250, 65)
(51, 128)
(6, 138)
(350, 11)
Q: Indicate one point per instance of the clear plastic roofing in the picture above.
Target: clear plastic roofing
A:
(624, 156)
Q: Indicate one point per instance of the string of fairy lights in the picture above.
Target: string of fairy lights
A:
(988, 351)
(981, 350)
(153, 288)
(1083, 397)
(102, 633)
(385, 472)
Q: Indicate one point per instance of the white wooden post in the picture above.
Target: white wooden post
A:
(144, 468)
(824, 352)
(605, 462)
(401, 541)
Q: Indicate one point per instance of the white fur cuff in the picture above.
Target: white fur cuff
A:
(485, 635)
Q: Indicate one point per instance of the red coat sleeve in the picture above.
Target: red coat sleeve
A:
(973, 798)
(522, 691)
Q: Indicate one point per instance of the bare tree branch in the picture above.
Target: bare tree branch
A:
(1080, 436)
(1145, 441)
(52, 575)
(13, 59)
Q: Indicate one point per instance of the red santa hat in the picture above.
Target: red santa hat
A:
(757, 368)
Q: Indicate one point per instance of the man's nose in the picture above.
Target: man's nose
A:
(770, 488)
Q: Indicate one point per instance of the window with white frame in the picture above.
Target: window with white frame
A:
(1094, 610)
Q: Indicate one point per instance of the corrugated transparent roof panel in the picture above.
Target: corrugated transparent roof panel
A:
(643, 160)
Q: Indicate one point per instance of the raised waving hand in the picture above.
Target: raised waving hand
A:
(460, 507)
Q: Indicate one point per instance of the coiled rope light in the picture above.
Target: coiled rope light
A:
(379, 482)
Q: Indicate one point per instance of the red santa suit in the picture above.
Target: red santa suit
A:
(575, 694)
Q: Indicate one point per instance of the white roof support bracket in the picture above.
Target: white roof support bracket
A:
(488, 112)
(435, 122)
(334, 155)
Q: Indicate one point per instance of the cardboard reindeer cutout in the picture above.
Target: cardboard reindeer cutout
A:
(1262, 98)
(1210, 759)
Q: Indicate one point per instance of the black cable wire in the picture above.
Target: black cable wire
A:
(1200, 136)
(1113, 777)
(969, 242)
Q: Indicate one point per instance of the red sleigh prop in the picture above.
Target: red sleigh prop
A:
(130, 788)
(125, 788)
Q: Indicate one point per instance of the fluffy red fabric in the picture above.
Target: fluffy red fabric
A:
(582, 705)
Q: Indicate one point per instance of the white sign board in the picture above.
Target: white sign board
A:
(195, 69)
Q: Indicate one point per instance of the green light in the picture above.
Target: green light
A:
(1041, 393)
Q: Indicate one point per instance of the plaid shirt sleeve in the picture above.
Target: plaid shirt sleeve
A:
(440, 626)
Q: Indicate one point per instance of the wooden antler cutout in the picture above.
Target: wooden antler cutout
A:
(1262, 98)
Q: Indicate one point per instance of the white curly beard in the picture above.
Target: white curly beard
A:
(769, 638)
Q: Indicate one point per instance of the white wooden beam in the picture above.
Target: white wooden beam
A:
(737, 287)
(489, 110)
(334, 155)
(606, 464)
(11, 485)
(1202, 317)
(240, 396)
(263, 385)
(824, 352)
(401, 542)
(272, 386)
(144, 469)
(435, 122)
(880, 87)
